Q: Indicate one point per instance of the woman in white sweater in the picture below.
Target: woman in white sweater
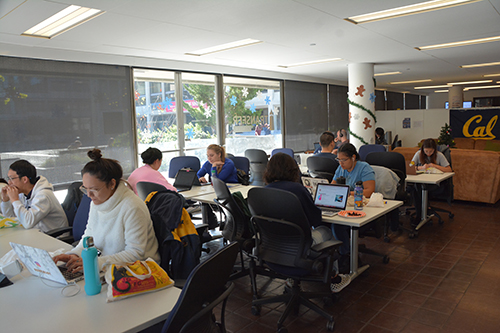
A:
(118, 221)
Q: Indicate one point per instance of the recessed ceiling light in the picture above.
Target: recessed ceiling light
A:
(441, 91)
(314, 62)
(470, 82)
(433, 87)
(407, 10)
(225, 47)
(491, 75)
(481, 65)
(387, 73)
(481, 87)
(414, 81)
(462, 43)
(62, 21)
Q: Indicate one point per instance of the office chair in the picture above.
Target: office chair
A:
(284, 244)
(144, 188)
(287, 151)
(72, 201)
(258, 163)
(396, 142)
(242, 164)
(228, 155)
(180, 162)
(79, 224)
(205, 288)
(322, 167)
(366, 149)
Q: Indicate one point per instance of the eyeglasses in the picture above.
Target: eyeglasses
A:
(11, 178)
(342, 160)
(92, 191)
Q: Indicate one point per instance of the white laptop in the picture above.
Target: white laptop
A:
(331, 198)
(311, 183)
(40, 263)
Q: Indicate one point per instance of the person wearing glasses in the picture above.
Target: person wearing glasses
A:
(118, 220)
(31, 199)
(352, 170)
(327, 143)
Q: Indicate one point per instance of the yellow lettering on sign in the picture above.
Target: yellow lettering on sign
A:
(480, 132)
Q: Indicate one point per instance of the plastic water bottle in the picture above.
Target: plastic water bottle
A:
(213, 173)
(358, 196)
(90, 267)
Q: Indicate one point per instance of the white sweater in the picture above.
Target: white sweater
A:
(122, 229)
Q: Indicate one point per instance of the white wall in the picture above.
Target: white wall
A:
(424, 124)
(437, 100)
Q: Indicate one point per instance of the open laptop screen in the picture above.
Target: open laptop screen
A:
(331, 196)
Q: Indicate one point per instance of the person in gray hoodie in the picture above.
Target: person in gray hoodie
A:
(31, 199)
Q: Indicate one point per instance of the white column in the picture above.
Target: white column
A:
(455, 97)
(361, 104)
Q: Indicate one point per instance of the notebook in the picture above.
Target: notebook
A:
(184, 180)
(331, 198)
(40, 263)
(311, 183)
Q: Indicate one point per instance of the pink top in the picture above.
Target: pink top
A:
(147, 174)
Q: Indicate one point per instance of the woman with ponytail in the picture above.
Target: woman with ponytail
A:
(218, 165)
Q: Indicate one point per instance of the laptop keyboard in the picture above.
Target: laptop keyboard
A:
(69, 275)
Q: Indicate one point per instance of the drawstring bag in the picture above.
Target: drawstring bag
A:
(136, 278)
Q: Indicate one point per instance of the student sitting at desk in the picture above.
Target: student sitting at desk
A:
(118, 220)
(152, 158)
(353, 170)
(340, 140)
(282, 172)
(327, 143)
(31, 199)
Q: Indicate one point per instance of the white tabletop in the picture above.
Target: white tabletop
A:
(429, 178)
(30, 305)
(371, 214)
(209, 197)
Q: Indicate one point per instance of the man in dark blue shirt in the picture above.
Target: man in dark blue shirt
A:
(327, 143)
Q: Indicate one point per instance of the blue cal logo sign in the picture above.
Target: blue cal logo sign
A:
(479, 132)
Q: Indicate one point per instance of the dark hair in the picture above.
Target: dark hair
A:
(342, 133)
(348, 149)
(281, 167)
(326, 139)
(150, 155)
(24, 168)
(379, 131)
(104, 169)
(428, 143)
(3, 181)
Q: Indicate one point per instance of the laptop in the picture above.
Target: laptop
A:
(40, 263)
(331, 198)
(311, 183)
(184, 180)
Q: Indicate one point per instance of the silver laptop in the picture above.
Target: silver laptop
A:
(40, 263)
(331, 198)
(311, 183)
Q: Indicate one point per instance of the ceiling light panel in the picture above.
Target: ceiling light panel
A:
(432, 87)
(481, 87)
(481, 65)
(407, 10)
(469, 82)
(225, 47)
(314, 62)
(461, 43)
(441, 91)
(388, 73)
(414, 81)
(491, 75)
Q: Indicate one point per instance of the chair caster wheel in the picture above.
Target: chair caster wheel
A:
(330, 325)
(282, 330)
(413, 235)
(256, 309)
(451, 215)
(387, 239)
(386, 259)
(441, 222)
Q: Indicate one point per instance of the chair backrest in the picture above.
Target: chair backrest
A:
(205, 285)
(322, 167)
(394, 142)
(287, 151)
(180, 162)
(366, 149)
(229, 155)
(72, 201)
(258, 163)
(237, 226)
(81, 218)
(144, 188)
(241, 163)
(395, 162)
(284, 235)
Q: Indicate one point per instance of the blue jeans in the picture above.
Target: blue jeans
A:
(341, 233)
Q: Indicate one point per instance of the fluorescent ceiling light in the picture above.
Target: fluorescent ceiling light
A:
(481, 65)
(470, 82)
(462, 43)
(225, 47)
(62, 21)
(440, 91)
(388, 73)
(414, 81)
(482, 87)
(433, 87)
(314, 62)
(407, 10)
(491, 75)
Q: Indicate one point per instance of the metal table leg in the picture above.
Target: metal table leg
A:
(355, 270)
(424, 218)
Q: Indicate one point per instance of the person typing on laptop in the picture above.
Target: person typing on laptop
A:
(119, 220)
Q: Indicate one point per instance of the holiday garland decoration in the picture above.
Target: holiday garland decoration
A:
(361, 89)
(357, 137)
(362, 108)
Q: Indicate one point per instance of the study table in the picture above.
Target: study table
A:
(427, 179)
(29, 305)
(372, 213)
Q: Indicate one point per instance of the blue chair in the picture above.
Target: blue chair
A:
(79, 224)
(180, 162)
(366, 149)
(242, 163)
(287, 151)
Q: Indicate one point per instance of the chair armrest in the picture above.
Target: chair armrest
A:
(326, 245)
(59, 231)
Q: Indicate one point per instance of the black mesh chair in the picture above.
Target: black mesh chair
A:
(144, 188)
(322, 167)
(205, 288)
(367, 149)
(258, 163)
(284, 245)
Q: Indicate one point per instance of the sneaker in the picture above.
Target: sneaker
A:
(345, 279)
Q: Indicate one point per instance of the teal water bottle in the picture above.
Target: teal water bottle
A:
(90, 267)
(358, 196)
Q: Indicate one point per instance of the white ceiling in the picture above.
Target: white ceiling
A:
(157, 33)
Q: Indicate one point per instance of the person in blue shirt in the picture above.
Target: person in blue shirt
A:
(327, 143)
(218, 165)
(353, 170)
